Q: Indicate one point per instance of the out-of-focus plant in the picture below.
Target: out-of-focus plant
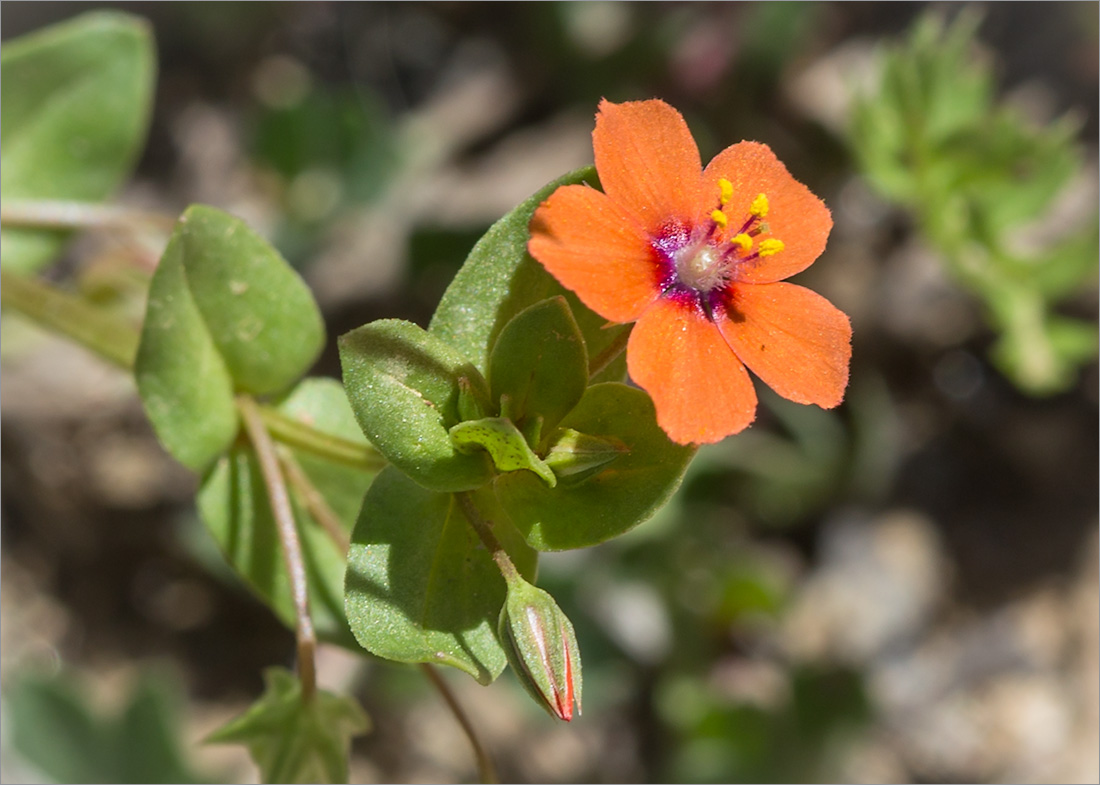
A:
(59, 730)
(985, 184)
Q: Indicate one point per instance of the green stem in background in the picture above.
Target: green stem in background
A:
(49, 214)
(314, 501)
(612, 351)
(300, 436)
(486, 771)
(111, 337)
(288, 537)
(484, 531)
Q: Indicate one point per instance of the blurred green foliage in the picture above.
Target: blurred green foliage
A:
(985, 184)
(58, 729)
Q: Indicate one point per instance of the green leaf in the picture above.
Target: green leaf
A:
(182, 379)
(225, 314)
(233, 504)
(540, 362)
(73, 118)
(500, 279)
(500, 438)
(404, 386)
(260, 313)
(420, 586)
(292, 740)
(592, 508)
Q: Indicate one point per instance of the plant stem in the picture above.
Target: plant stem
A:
(300, 436)
(314, 501)
(112, 338)
(486, 771)
(484, 531)
(608, 355)
(50, 214)
(288, 537)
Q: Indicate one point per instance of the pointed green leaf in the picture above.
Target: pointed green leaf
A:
(505, 444)
(295, 741)
(74, 113)
(405, 385)
(590, 508)
(420, 586)
(500, 279)
(233, 504)
(540, 362)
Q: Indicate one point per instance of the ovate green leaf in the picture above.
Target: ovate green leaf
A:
(261, 315)
(404, 386)
(420, 585)
(73, 118)
(540, 363)
(499, 279)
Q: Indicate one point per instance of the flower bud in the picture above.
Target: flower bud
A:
(542, 648)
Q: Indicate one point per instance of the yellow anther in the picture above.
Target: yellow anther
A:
(771, 246)
(719, 218)
(759, 206)
(725, 191)
(742, 240)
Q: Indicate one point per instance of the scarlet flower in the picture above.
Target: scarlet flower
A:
(695, 257)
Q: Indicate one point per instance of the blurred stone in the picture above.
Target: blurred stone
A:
(877, 585)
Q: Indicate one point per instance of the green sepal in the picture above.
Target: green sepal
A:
(571, 452)
(505, 444)
(294, 740)
(540, 362)
(590, 508)
(403, 384)
(74, 114)
(420, 586)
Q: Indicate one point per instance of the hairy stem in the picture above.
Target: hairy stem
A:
(608, 355)
(300, 436)
(486, 771)
(50, 214)
(288, 537)
(484, 531)
(111, 337)
(313, 499)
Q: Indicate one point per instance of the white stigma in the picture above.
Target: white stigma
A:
(700, 267)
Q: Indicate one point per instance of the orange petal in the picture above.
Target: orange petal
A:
(795, 215)
(597, 250)
(701, 390)
(795, 340)
(648, 162)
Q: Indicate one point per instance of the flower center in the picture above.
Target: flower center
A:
(701, 266)
(712, 255)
